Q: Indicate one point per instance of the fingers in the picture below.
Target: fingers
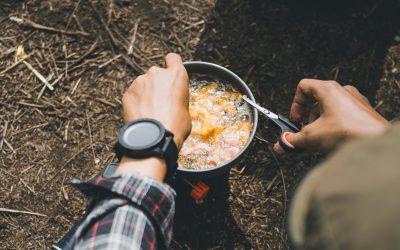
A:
(173, 60)
(298, 140)
(305, 94)
(354, 92)
(334, 106)
(278, 149)
(315, 112)
(310, 91)
(295, 139)
(351, 89)
(303, 140)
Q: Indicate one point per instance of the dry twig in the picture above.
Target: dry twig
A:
(15, 64)
(31, 128)
(90, 51)
(90, 136)
(109, 61)
(8, 145)
(4, 134)
(13, 211)
(284, 204)
(38, 75)
(133, 39)
(117, 43)
(72, 14)
(110, 10)
(32, 24)
(104, 101)
(193, 25)
(20, 54)
(76, 86)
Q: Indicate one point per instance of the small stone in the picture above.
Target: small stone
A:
(397, 39)
(210, 47)
(97, 161)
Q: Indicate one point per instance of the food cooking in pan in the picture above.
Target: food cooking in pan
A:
(221, 125)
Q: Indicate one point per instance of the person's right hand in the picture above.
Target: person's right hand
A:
(337, 113)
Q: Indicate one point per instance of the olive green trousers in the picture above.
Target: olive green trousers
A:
(352, 200)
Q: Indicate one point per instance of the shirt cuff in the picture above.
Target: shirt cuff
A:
(155, 198)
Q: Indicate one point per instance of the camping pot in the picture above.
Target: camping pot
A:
(217, 72)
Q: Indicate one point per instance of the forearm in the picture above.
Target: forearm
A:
(125, 211)
(153, 167)
(134, 207)
(351, 200)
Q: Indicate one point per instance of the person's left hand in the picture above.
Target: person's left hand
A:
(162, 94)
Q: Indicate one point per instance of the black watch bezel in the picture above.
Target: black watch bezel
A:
(146, 151)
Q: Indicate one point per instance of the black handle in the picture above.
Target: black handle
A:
(287, 127)
(286, 145)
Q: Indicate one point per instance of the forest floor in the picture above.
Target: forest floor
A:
(90, 51)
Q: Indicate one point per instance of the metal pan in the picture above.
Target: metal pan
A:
(217, 72)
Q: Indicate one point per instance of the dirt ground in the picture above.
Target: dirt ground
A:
(90, 51)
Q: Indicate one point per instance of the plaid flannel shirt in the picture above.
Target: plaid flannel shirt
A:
(125, 212)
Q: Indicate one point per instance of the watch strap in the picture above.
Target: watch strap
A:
(170, 155)
(167, 151)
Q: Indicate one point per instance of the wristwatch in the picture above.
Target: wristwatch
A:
(144, 138)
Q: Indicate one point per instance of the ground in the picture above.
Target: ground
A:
(97, 47)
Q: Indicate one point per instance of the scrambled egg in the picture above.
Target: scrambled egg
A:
(220, 126)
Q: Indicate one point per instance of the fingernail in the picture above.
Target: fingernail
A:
(294, 113)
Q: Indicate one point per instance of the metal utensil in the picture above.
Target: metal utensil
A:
(284, 124)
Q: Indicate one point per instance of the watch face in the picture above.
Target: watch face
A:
(142, 134)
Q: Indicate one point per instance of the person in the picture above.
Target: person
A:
(350, 201)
